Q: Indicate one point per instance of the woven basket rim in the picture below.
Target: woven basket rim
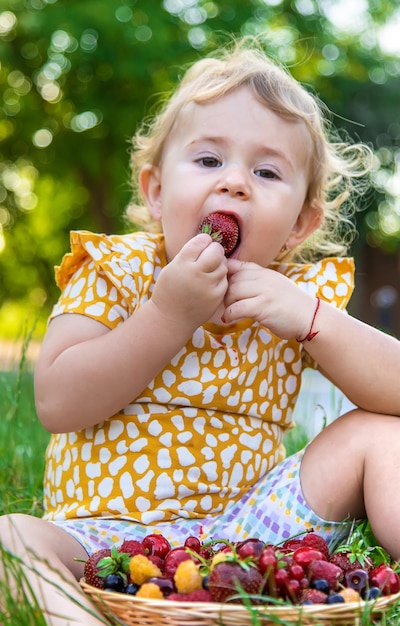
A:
(289, 611)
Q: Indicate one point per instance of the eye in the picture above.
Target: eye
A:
(266, 173)
(209, 161)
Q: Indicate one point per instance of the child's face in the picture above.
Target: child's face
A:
(235, 156)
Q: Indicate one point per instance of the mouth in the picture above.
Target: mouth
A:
(222, 228)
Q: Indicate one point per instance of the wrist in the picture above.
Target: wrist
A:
(170, 319)
(313, 331)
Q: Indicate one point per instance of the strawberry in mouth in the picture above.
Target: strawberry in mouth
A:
(224, 229)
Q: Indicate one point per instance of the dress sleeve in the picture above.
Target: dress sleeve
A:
(331, 279)
(88, 287)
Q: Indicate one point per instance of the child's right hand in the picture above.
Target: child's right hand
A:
(87, 372)
(193, 285)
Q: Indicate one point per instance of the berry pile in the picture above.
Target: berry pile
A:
(299, 571)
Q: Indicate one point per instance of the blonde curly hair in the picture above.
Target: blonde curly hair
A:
(338, 168)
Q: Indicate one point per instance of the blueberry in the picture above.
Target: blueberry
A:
(334, 598)
(321, 585)
(131, 589)
(114, 582)
(372, 593)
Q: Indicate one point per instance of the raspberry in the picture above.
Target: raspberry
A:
(132, 547)
(317, 542)
(313, 596)
(187, 577)
(200, 595)
(150, 590)
(141, 569)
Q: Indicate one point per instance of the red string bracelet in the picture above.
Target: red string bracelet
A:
(310, 335)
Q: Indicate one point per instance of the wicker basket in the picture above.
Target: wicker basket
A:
(143, 612)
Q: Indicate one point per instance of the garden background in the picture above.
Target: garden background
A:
(76, 78)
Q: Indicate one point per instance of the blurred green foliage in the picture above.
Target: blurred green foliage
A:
(77, 77)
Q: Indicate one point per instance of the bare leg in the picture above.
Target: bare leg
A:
(352, 468)
(50, 552)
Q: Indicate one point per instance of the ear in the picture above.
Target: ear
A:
(308, 220)
(150, 187)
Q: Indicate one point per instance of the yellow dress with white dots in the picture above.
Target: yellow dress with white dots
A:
(210, 424)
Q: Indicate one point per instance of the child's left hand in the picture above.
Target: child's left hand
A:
(268, 297)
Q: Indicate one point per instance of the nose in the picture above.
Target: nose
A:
(234, 182)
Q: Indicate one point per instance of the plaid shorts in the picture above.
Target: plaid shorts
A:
(272, 510)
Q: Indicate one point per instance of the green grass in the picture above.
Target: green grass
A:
(22, 448)
(22, 445)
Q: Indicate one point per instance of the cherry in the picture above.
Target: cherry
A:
(206, 552)
(281, 579)
(193, 543)
(296, 571)
(172, 560)
(305, 555)
(267, 561)
(293, 589)
(385, 578)
(157, 560)
(156, 545)
(250, 548)
(166, 585)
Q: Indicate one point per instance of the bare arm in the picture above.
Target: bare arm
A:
(86, 372)
(361, 361)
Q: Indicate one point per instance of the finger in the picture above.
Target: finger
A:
(212, 257)
(234, 312)
(235, 266)
(193, 248)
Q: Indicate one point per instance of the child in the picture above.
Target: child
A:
(170, 371)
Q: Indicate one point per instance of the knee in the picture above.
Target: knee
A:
(14, 530)
(360, 427)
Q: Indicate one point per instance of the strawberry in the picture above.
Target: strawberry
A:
(90, 569)
(116, 562)
(326, 570)
(228, 577)
(347, 563)
(223, 228)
